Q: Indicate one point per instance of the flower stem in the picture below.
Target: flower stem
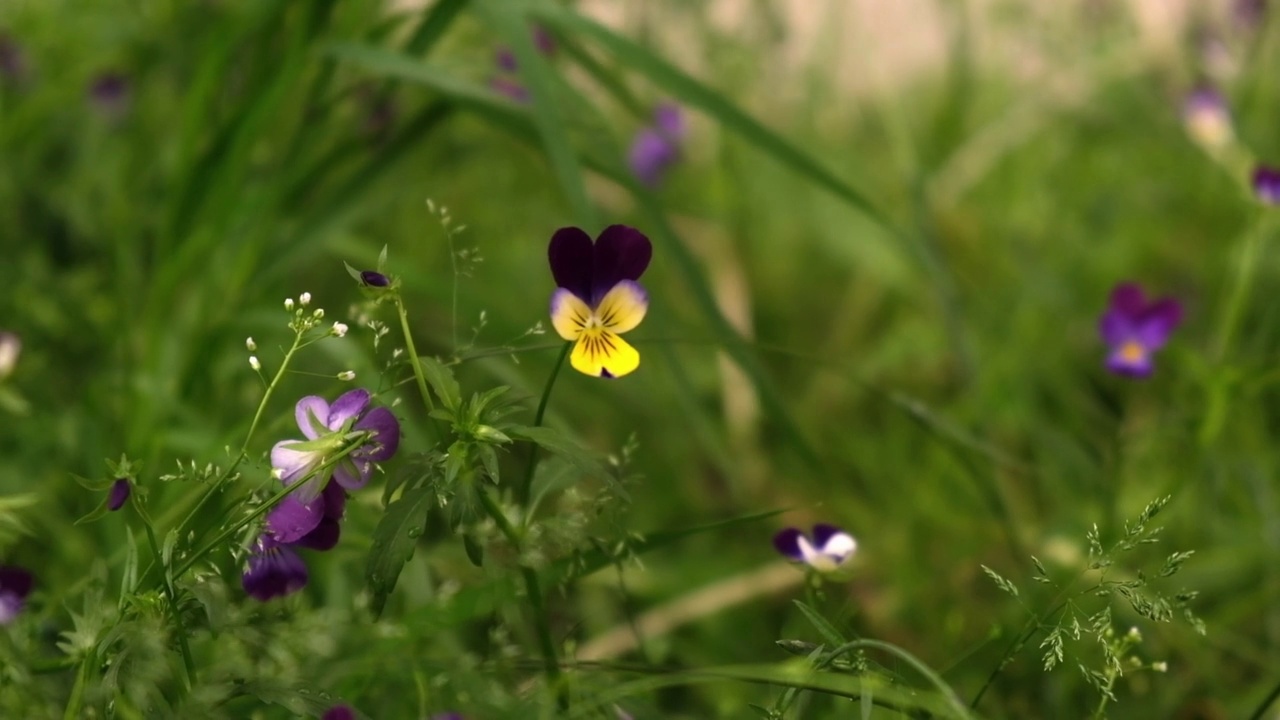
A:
(76, 701)
(414, 362)
(1266, 703)
(1243, 283)
(527, 486)
(187, 661)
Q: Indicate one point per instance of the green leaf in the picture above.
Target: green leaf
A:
(393, 543)
(828, 631)
(475, 551)
(557, 443)
(441, 380)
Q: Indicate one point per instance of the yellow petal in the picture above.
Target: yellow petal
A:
(623, 307)
(569, 314)
(602, 353)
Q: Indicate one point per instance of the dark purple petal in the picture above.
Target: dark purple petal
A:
(15, 580)
(1128, 299)
(822, 533)
(1266, 184)
(111, 93)
(787, 542)
(273, 570)
(543, 41)
(1115, 327)
(386, 434)
(348, 405)
(312, 414)
(118, 495)
(621, 253)
(335, 500)
(650, 155)
(292, 518)
(571, 256)
(1157, 322)
(339, 712)
(372, 278)
(353, 473)
(323, 537)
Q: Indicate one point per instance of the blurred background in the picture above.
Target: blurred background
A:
(882, 245)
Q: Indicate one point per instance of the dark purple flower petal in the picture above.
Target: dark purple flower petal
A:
(1158, 321)
(292, 518)
(273, 570)
(353, 473)
(386, 434)
(505, 59)
(348, 405)
(1266, 184)
(15, 585)
(323, 537)
(787, 542)
(571, 256)
(543, 41)
(335, 500)
(112, 94)
(374, 279)
(339, 712)
(118, 495)
(1128, 299)
(822, 533)
(621, 253)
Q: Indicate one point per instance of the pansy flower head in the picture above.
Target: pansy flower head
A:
(1135, 328)
(1266, 184)
(273, 570)
(827, 551)
(329, 430)
(1207, 118)
(15, 586)
(598, 298)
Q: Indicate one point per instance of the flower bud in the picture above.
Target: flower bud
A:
(118, 495)
(347, 375)
(372, 278)
(304, 299)
(339, 329)
(250, 345)
(288, 304)
(253, 362)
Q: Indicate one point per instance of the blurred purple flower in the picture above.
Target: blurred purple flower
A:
(657, 147)
(273, 570)
(111, 94)
(1266, 184)
(1135, 329)
(13, 62)
(597, 297)
(339, 712)
(828, 552)
(119, 493)
(1207, 118)
(15, 586)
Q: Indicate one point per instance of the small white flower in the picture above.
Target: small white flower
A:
(1161, 666)
(319, 313)
(828, 552)
(250, 345)
(1135, 635)
(253, 362)
(339, 329)
(347, 375)
(304, 299)
(10, 349)
(288, 304)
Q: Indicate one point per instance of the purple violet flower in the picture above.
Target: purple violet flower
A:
(273, 570)
(15, 586)
(328, 429)
(1266, 184)
(339, 712)
(112, 94)
(597, 297)
(1207, 118)
(828, 552)
(372, 278)
(1135, 329)
(657, 147)
(119, 493)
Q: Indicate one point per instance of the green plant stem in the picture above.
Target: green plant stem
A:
(1246, 271)
(1032, 627)
(526, 487)
(414, 362)
(925, 671)
(76, 700)
(187, 661)
(533, 586)
(1266, 703)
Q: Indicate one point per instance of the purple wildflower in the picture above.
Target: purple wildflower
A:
(597, 297)
(273, 570)
(372, 278)
(657, 147)
(1266, 184)
(828, 552)
(1207, 118)
(1134, 329)
(112, 94)
(15, 586)
(119, 493)
(339, 712)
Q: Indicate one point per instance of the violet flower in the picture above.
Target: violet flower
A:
(1135, 329)
(827, 553)
(111, 94)
(1207, 118)
(372, 278)
(598, 298)
(273, 570)
(119, 493)
(1266, 184)
(328, 429)
(15, 586)
(657, 147)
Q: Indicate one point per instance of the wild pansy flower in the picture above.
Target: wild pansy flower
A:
(657, 147)
(329, 429)
(1266, 184)
(10, 349)
(273, 570)
(1207, 118)
(119, 493)
(598, 298)
(828, 552)
(15, 586)
(1135, 329)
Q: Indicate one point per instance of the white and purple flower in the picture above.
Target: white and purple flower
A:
(15, 586)
(657, 147)
(1135, 328)
(827, 552)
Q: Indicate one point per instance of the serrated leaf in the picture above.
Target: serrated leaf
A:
(829, 633)
(442, 382)
(394, 541)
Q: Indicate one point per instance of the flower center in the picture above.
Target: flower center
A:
(1132, 351)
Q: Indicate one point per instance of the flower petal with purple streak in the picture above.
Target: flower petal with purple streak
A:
(374, 279)
(787, 542)
(293, 464)
(312, 415)
(339, 712)
(348, 405)
(292, 518)
(386, 434)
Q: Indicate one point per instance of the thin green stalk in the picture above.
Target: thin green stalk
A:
(1266, 703)
(414, 362)
(1246, 271)
(187, 662)
(925, 671)
(76, 701)
(527, 486)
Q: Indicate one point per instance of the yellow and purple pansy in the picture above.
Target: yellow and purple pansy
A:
(598, 298)
(1135, 329)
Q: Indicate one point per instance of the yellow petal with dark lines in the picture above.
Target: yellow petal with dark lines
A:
(600, 352)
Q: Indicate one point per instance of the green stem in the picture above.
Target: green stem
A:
(414, 362)
(1243, 283)
(925, 671)
(76, 701)
(187, 662)
(1266, 703)
(527, 486)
